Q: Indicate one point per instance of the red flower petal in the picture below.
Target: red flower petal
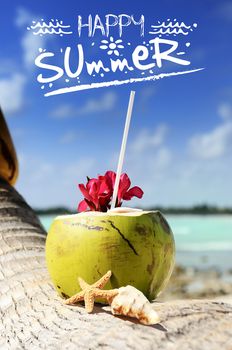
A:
(82, 206)
(105, 188)
(91, 205)
(133, 192)
(124, 185)
(104, 200)
(93, 190)
(98, 192)
(90, 183)
(84, 191)
(110, 176)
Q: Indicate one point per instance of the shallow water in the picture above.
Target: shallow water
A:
(201, 241)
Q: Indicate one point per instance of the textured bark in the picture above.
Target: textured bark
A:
(8, 158)
(34, 317)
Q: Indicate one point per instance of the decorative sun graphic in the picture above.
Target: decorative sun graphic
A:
(112, 46)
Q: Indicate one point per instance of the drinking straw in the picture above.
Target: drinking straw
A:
(123, 148)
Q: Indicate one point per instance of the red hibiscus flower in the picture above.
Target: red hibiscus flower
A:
(98, 192)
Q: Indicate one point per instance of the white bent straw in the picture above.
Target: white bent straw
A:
(123, 148)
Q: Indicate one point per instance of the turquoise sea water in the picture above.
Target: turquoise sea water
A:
(201, 241)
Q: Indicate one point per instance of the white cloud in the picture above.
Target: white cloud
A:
(30, 43)
(18, 132)
(44, 171)
(7, 65)
(225, 10)
(69, 137)
(147, 162)
(79, 169)
(147, 139)
(104, 103)
(212, 144)
(46, 183)
(163, 158)
(23, 17)
(12, 86)
(64, 111)
(167, 176)
(147, 92)
(171, 178)
(225, 111)
(11, 93)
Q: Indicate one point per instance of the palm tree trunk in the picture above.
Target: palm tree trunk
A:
(8, 157)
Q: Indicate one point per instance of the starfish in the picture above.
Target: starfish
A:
(90, 292)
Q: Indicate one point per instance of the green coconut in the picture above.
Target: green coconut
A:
(137, 246)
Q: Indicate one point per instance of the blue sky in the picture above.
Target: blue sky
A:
(180, 142)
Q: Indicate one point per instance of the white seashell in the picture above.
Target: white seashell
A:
(131, 302)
